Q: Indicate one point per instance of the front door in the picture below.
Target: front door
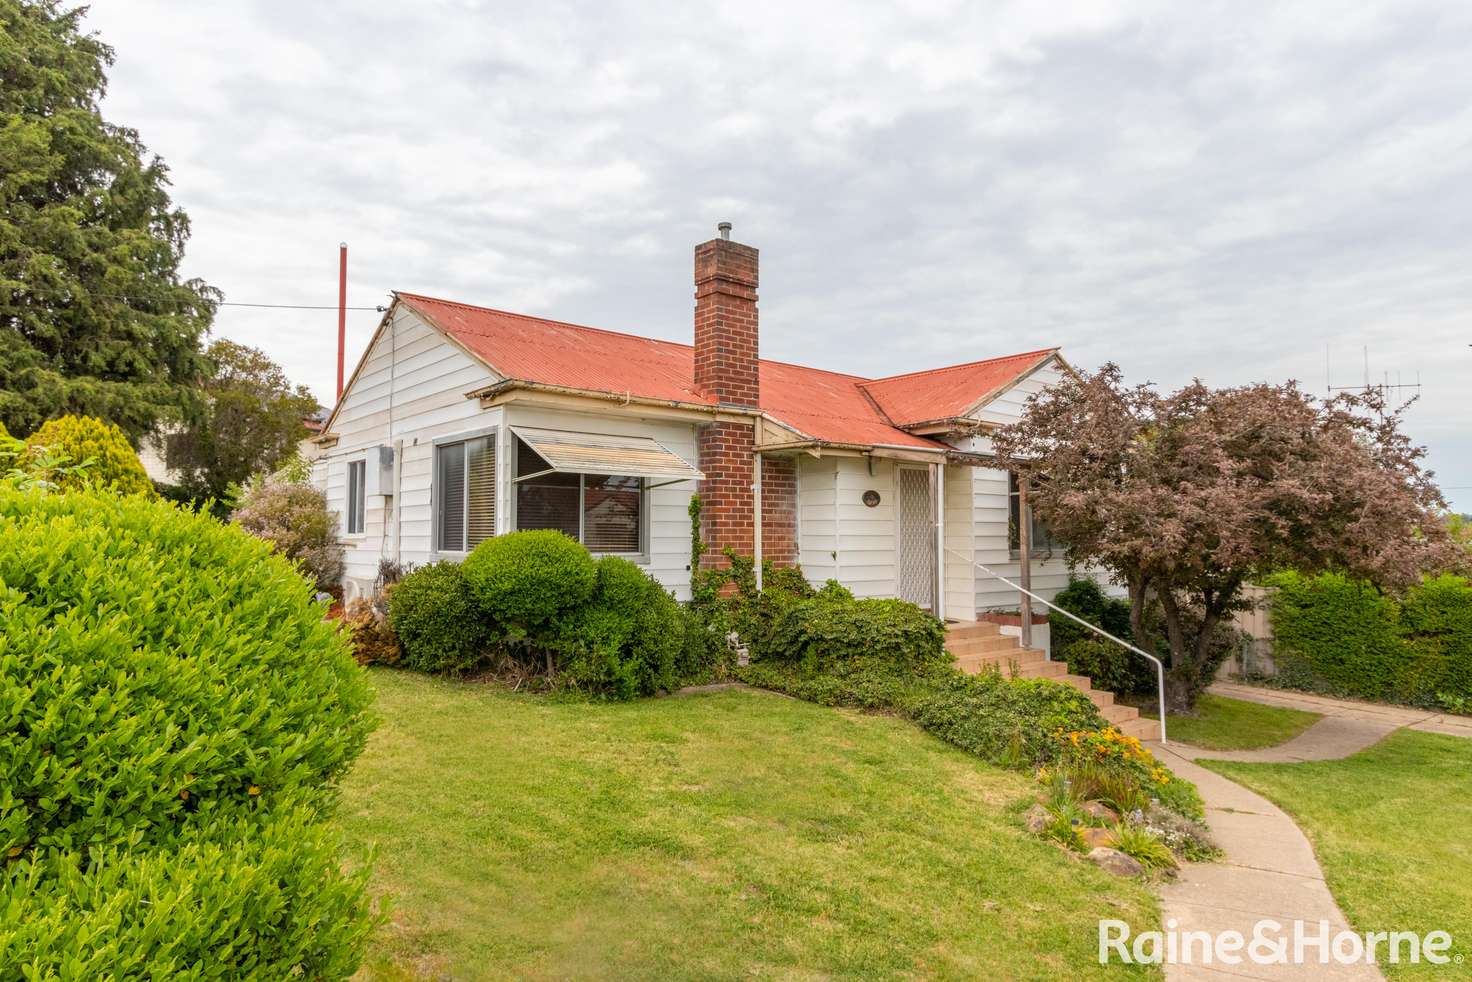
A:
(916, 546)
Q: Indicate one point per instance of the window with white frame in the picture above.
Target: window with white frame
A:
(465, 493)
(357, 495)
(605, 512)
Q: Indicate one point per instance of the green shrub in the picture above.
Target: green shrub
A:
(1343, 637)
(822, 632)
(296, 520)
(626, 640)
(1110, 667)
(437, 619)
(111, 461)
(524, 580)
(1013, 722)
(243, 897)
(176, 727)
(1436, 618)
(1085, 598)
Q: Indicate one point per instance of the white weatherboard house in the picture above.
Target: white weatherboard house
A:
(463, 422)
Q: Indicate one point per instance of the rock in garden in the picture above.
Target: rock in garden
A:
(1114, 861)
(1100, 812)
(1036, 819)
(1095, 838)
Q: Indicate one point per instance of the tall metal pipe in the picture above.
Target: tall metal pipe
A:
(342, 311)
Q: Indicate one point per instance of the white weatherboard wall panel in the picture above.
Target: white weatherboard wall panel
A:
(411, 387)
(866, 536)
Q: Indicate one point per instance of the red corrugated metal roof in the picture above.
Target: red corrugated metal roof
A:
(827, 406)
(532, 349)
(946, 393)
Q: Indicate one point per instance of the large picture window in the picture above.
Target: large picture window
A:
(604, 512)
(1043, 543)
(357, 495)
(465, 493)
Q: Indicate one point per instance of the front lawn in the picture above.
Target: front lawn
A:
(1390, 826)
(1220, 723)
(727, 835)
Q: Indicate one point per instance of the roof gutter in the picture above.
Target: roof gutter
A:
(490, 392)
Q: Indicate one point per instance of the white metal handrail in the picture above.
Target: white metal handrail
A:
(1159, 666)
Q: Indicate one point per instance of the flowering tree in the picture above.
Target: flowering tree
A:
(1186, 497)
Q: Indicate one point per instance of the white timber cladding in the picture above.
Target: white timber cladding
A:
(410, 387)
(959, 541)
(830, 492)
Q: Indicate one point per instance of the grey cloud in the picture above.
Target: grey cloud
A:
(1191, 190)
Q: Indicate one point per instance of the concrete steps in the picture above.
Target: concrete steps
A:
(980, 646)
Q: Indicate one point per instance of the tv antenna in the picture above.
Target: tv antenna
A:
(1385, 387)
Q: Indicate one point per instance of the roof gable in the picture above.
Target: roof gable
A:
(952, 392)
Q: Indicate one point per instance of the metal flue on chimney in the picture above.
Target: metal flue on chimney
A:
(725, 229)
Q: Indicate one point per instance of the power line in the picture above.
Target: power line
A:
(230, 303)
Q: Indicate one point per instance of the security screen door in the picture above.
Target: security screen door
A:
(916, 572)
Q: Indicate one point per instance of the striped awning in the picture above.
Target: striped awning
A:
(594, 453)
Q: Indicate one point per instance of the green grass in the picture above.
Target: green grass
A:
(1220, 723)
(1391, 828)
(730, 835)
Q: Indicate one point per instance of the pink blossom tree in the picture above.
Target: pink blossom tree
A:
(1187, 497)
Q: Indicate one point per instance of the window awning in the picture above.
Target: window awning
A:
(593, 453)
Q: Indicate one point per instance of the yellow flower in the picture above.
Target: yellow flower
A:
(253, 790)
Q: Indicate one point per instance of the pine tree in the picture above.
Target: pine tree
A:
(94, 318)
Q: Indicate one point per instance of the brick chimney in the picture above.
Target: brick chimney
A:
(726, 367)
(726, 320)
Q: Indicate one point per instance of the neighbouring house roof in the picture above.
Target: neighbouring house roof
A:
(822, 406)
(951, 392)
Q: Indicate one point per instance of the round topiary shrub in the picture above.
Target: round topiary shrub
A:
(525, 579)
(174, 734)
(114, 464)
(627, 640)
(437, 620)
(295, 519)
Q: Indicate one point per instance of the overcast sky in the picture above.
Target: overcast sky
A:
(1212, 190)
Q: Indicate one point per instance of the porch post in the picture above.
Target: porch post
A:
(1024, 542)
(938, 502)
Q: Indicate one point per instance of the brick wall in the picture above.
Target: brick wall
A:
(725, 494)
(779, 511)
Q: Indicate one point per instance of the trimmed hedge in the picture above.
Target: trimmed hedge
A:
(626, 641)
(524, 580)
(178, 716)
(1344, 637)
(437, 620)
(826, 630)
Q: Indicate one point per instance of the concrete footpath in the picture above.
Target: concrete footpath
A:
(1269, 870)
